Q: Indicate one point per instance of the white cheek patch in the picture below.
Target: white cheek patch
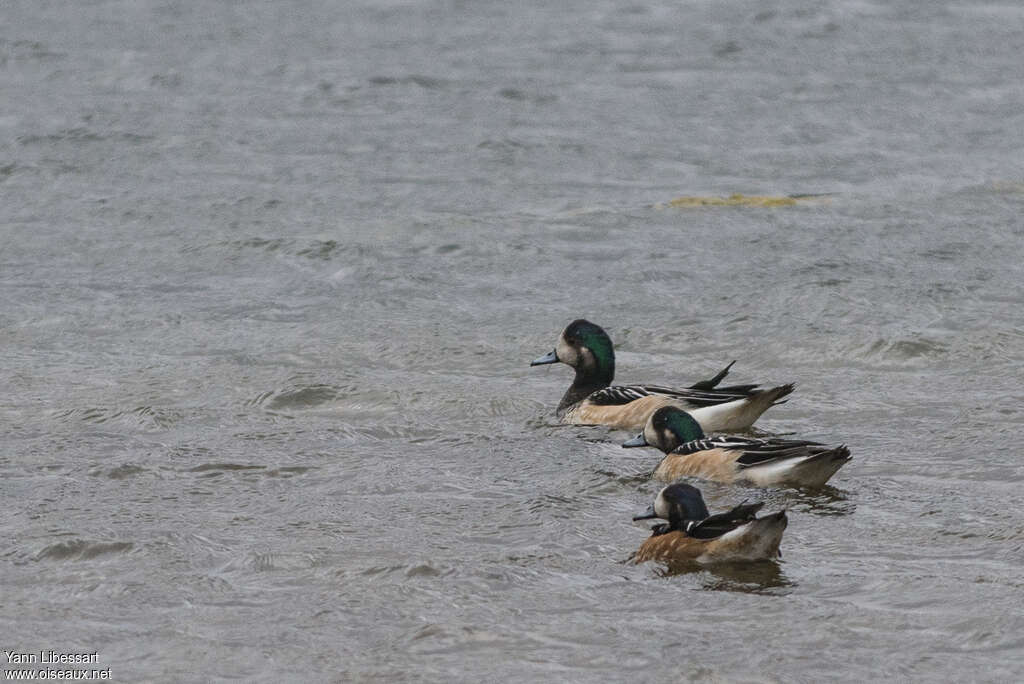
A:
(661, 506)
(566, 353)
(650, 435)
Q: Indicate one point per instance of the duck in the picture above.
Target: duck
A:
(593, 400)
(762, 462)
(693, 535)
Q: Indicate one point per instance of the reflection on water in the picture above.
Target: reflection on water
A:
(760, 577)
(824, 500)
(628, 479)
(757, 577)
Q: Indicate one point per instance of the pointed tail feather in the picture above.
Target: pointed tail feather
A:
(713, 382)
(771, 396)
(840, 453)
(745, 511)
(738, 389)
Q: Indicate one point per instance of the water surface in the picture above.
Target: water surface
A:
(272, 274)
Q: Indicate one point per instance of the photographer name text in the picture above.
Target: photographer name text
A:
(50, 657)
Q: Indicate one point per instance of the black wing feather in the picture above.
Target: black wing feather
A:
(617, 394)
(755, 451)
(710, 384)
(696, 398)
(775, 449)
(720, 523)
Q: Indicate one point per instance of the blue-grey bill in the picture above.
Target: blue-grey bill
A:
(646, 515)
(637, 441)
(550, 357)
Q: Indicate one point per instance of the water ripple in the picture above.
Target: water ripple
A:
(80, 549)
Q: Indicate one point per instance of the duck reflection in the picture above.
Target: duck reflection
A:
(757, 577)
(823, 500)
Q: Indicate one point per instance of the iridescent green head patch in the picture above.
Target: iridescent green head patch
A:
(678, 422)
(582, 333)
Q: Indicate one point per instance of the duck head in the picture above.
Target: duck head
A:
(678, 503)
(666, 429)
(584, 346)
(587, 348)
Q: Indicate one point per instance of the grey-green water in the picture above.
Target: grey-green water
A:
(272, 273)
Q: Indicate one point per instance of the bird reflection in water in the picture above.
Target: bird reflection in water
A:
(758, 577)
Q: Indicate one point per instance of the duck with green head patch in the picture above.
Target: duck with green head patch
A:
(760, 462)
(593, 400)
(693, 535)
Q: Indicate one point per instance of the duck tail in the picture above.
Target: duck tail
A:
(763, 536)
(745, 511)
(713, 382)
(816, 470)
(840, 453)
(739, 414)
(771, 397)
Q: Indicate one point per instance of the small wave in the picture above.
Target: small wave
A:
(427, 569)
(739, 200)
(518, 95)
(1007, 187)
(288, 471)
(320, 249)
(951, 251)
(270, 562)
(342, 400)
(428, 82)
(142, 416)
(903, 349)
(216, 469)
(299, 397)
(206, 467)
(497, 407)
(32, 50)
(79, 549)
(82, 135)
(121, 472)
(512, 94)
(316, 249)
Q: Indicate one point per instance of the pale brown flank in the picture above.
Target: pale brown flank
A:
(631, 416)
(672, 546)
(713, 464)
(754, 540)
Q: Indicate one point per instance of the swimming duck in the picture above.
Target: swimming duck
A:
(692, 534)
(760, 462)
(593, 400)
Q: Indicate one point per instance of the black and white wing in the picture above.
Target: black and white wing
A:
(714, 442)
(618, 394)
(720, 523)
(776, 449)
(695, 398)
(755, 451)
(698, 398)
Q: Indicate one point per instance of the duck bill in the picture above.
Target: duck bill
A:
(550, 357)
(637, 441)
(646, 515)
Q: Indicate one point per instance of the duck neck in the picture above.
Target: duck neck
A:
(587, 381)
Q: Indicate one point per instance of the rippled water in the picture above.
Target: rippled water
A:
(272, 274)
